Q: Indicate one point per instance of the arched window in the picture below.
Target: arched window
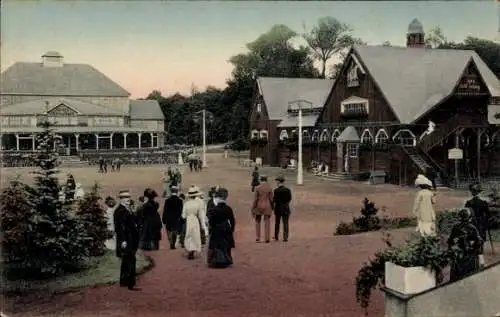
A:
(495, 139)
(485, 140)
(254, 134)
(324, 137)
(381, 136)
(315, 136)
(366, 137)
(306, 136)
(283, 135)
(335, 135)
(405, 137)
(263, 134)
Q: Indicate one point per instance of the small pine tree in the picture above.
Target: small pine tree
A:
(57, 240)
(16, 212)
(94, 218)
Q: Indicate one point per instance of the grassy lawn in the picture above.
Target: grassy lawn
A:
(103, 270)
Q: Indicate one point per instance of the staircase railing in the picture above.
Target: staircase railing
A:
(441, 131)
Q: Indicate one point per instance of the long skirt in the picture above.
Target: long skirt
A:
(464, 266)
(426, 228)
(192, 239)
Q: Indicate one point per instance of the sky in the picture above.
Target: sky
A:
(174, 46)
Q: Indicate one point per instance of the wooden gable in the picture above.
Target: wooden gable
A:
(471, 83)
(62, 110)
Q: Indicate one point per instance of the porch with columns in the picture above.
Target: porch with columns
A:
(74, 142)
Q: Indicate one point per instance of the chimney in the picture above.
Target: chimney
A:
(52, 59)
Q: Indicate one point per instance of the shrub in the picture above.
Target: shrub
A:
(369, 221)
(344, 229)
(93, 216)
(418, 251)
(494, 197)
(445, 220)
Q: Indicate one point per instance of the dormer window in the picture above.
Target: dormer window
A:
(254, 134)
(263, 134)
(354, 107)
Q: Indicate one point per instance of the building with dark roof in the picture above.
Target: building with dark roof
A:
(88, 109)
(404, 111)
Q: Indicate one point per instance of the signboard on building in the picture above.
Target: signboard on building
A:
(494, 114)
(455, 154)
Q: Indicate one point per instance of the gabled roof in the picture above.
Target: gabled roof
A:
(35, 107)
(67, 80)
(146, 110)
(278, 92)
(414, 80)
(349, 135)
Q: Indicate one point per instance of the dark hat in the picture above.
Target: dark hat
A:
(475, 188)
(221, 193)
(465, 214)
(174, 189)
(150, 193)
(280, 179)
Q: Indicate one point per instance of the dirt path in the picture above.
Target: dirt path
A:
(312, 275)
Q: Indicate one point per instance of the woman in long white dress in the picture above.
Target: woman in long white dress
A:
(111, 206)
(194, 213)
(423, 206)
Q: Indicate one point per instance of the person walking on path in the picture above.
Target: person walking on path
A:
(127, 240)
(255, 178)
(194, 214)
(281, 204)
(262, 208)
(480, 213)
(423, 206)
(150, 221)
(172, 213)
(221, 225)
(466, 245)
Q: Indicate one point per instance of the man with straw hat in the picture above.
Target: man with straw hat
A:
(127, 240)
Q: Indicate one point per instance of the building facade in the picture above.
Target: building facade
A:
(89, 111)
(405, 111)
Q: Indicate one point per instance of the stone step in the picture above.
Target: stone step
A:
(339, 177)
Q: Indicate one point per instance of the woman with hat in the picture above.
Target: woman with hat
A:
(221, 225)
(466, 246)
(150, 221)
(423, 206)
(194, 213)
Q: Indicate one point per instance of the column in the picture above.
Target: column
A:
(152, 140)
(33, 143)
(140, 138)
(125, 140)
(111, 141)
(1, 141)
(77, 145)
(17, 141)
(97, 141)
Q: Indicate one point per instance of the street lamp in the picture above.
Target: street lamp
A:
(204, 128)
(300, 104)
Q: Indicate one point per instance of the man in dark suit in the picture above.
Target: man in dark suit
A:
(281, 205)
(480, 214)
(172, 212)
(127, 240)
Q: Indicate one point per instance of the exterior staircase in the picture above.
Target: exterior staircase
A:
(72, 161)
(423, 163)
(337, 177)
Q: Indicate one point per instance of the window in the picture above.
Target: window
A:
(352, 76)
(485, 140)
(324, 136)
(495, 138)
(283, 135)
(305, 135)
(104, 121)
(315, 135)
(381, 136)
(352, 150)
(259, 107)
(335, 135)
(355, 108)
(263, 134)
(254, 134)
(366, 136)
(405, 138)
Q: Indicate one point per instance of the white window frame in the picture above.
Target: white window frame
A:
(315, 136)
(352, 150)
(413, 138)
(381, 132)
(486, 139)
(254, 134)
(366, 135)
(264, 134)
(259, 107)
(352, 75)
(283, 135)
(306, 135)
(336, 133)
(324, 136)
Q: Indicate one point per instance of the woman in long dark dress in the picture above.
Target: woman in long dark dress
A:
(150, 220)
(221, 228)
(466, 244)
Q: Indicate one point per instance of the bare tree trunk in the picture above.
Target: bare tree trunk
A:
(323, 68)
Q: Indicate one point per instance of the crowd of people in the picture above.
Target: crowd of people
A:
(467, 237)
(188, 219)
(115, 164)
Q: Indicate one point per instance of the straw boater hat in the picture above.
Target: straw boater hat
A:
(422, 180)
(124, 194)
(193, 191)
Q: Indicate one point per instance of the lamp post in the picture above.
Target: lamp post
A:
(300, 104)
(204, 113)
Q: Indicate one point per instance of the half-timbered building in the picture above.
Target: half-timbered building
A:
(410, 110)
(273, 118)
